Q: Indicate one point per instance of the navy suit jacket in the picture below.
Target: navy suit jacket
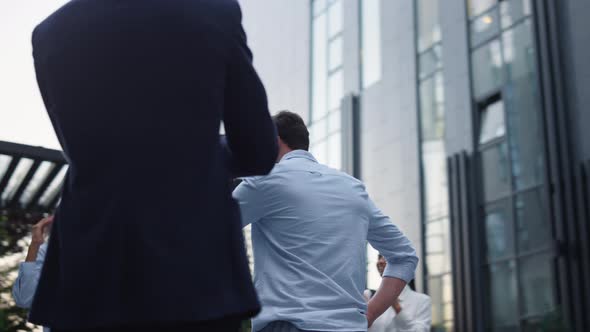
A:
(146, 230)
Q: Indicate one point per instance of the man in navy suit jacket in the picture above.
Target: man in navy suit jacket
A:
(136, 91)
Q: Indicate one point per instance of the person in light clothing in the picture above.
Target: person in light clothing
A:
(25, 285)
(411, 312)
(310, 226)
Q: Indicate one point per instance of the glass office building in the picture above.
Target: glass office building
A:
(466, 121)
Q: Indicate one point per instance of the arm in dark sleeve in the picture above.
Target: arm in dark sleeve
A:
(251, 147)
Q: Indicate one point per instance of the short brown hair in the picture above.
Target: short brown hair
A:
(292, 130)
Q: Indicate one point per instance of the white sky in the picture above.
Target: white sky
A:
(22, 114)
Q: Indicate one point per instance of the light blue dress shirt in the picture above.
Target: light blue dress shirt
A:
(26, 282)
(310, 226)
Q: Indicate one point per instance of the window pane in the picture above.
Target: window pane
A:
(371, 41)
(492, 124)
(485, 27)
(532, 224)
(523, 109)
(477, 7)
(499, 231)
(335, 151)
(318, 130)
(430, 61)
(334, 121)
(335, 18)
(319, 66)
(319, 6)
(335, 53)
(486, 66)
(434, 168)
(513, 10)
(496, 176)
(435, 290)
(536, 282)
(40, 175)
(502, 295)
(438, 247)
(428, 24)
(432, 108)
(4, 164)
(525, 125)
(23, 167)
(519, 51)
(336, 88)
(320, 152)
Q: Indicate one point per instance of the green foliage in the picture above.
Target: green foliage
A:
(246, 327)
(12, 318)
(14, 226)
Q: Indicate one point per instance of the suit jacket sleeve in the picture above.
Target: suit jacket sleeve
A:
(251, 146)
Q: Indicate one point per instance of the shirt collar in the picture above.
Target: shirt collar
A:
(299, 154)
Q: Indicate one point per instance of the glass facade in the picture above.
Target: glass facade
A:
(435, 197)
(371, 41)
(518, 258)
(327, 82)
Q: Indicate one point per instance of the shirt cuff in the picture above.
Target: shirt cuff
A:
(403, 271)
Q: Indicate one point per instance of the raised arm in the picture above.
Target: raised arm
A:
(26, 282)
(29, 271)
(251, 145)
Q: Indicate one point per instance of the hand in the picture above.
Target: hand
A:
(397, 307)
(40, 230)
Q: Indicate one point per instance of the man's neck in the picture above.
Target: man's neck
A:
(283, 153)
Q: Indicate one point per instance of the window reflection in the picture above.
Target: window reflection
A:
(495, 172)
(485, 27)
(492, 124)
(319, 67)
(371, 41)
(477, 7)
(335, 18)
(335, 53)
(531, 221)
(513, 10)
(537, 282)
(430, 61)
(498, 230)
(432, 107)
(487, 69)
(335, 90)
(429, 32)
(502, 295)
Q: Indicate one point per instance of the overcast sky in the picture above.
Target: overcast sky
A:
(22, 114)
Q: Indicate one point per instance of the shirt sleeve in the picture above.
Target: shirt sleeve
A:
(392, 244)
(249, 197)
(26, 282)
